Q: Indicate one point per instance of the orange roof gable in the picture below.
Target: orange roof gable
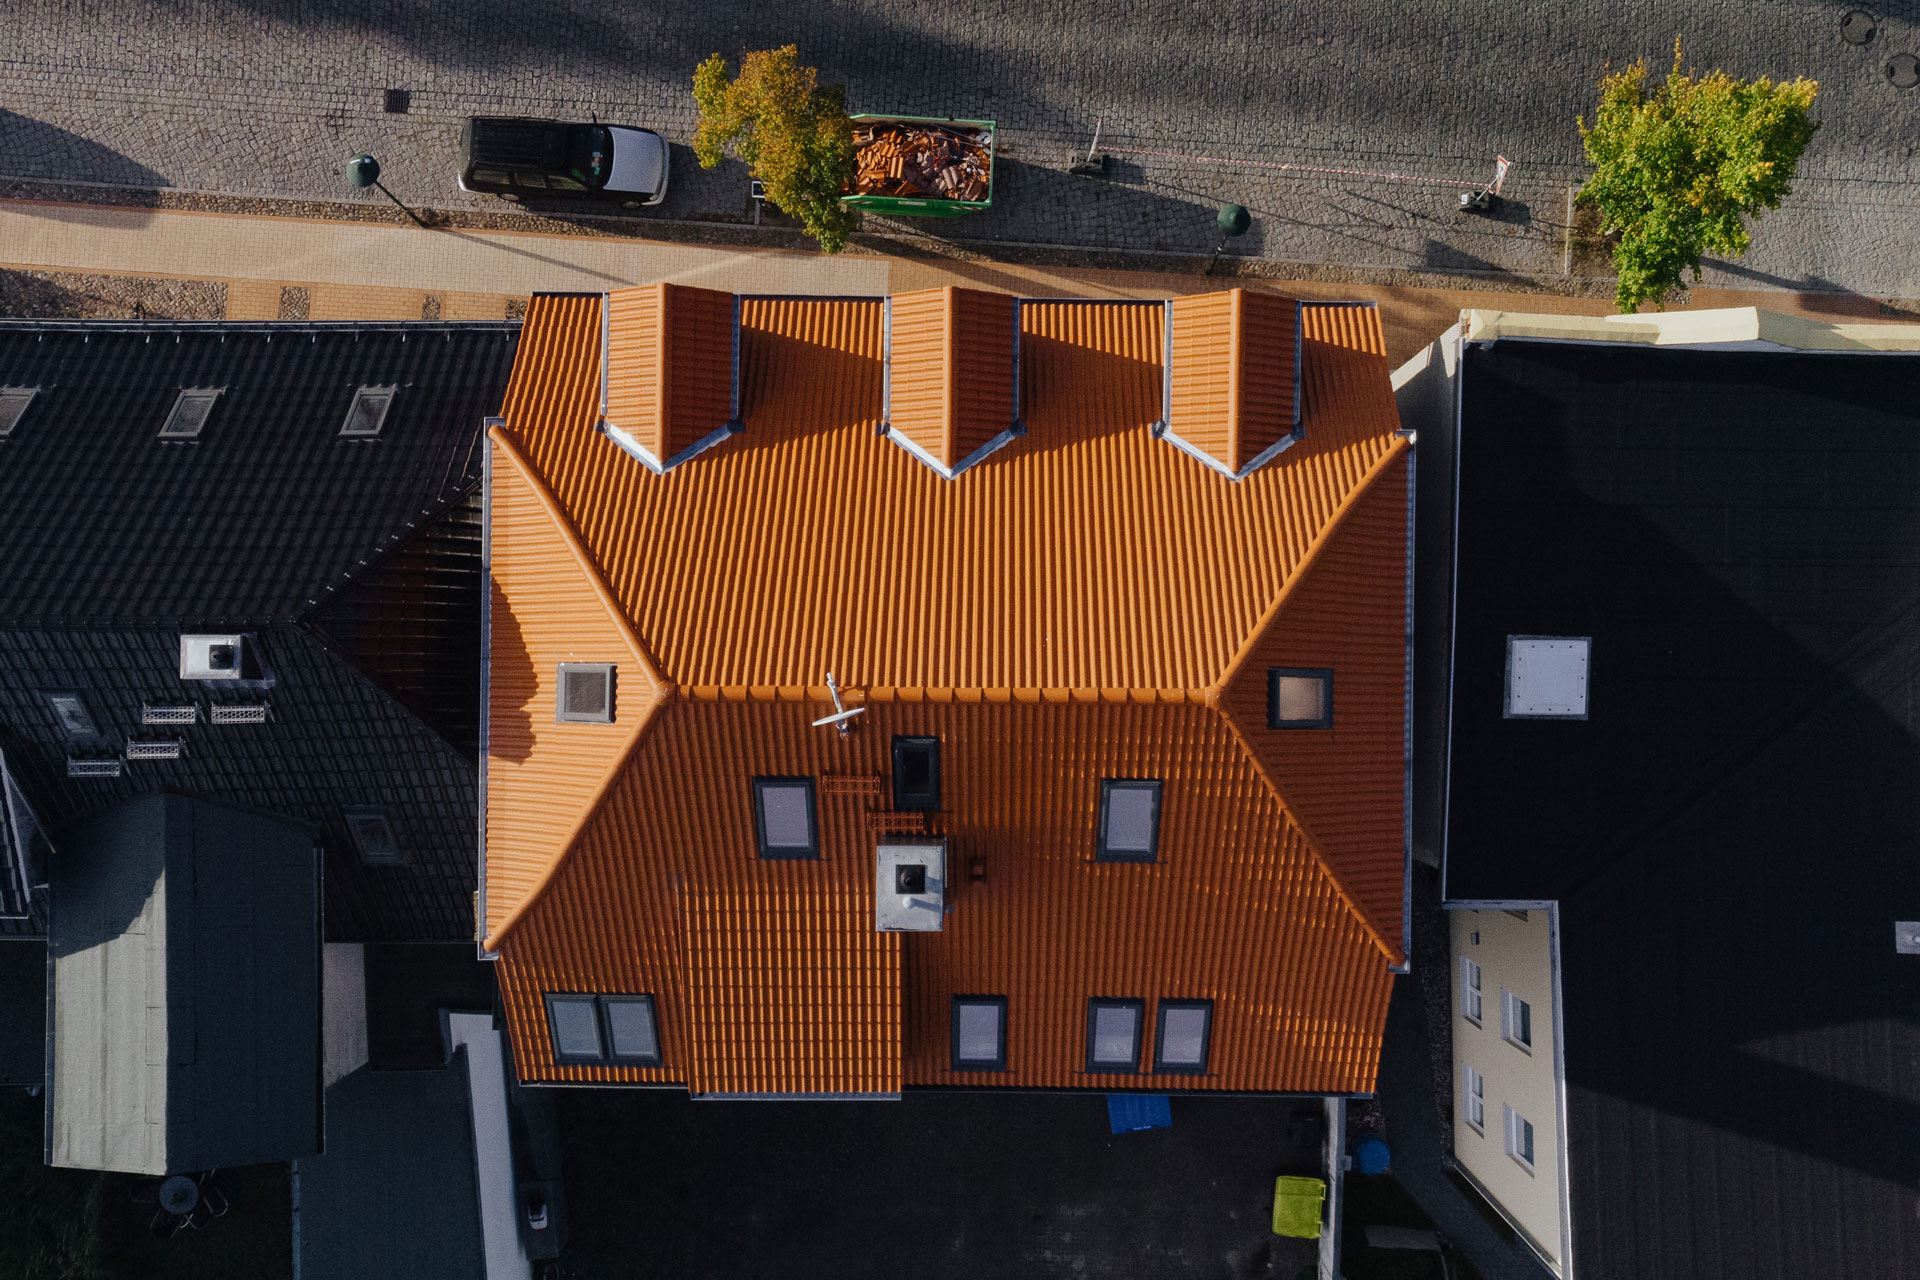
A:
(1083, 602)
(950, 374)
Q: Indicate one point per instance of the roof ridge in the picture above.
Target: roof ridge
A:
(663, 690)
(964, 694)
(1393, 953)
(1374, 471)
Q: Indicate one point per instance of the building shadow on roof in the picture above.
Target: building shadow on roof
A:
(31, 148)
(1732, 834)
(831, 377)
(509, 727)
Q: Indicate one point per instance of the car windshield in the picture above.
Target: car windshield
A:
(589, 154)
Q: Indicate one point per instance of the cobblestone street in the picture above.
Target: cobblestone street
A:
(269, 97)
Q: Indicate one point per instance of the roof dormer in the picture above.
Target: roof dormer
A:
(1232, 382)
(952, 383)
(669, 371)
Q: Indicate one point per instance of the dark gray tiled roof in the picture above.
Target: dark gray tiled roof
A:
(117, 542)
(1733, 832)
(269, 509)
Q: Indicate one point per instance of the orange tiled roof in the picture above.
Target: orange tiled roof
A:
(1085, 602)
(950, 372)
(1235, 366)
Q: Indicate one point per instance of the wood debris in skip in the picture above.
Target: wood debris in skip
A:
(928, 162)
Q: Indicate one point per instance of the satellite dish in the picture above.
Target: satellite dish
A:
(841, 717)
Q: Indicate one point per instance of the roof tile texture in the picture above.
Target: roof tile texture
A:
(1066, 610)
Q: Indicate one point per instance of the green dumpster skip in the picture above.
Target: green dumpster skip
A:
(932, 206)
(1296, 1206)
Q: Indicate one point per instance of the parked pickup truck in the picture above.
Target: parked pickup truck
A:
(519, 158)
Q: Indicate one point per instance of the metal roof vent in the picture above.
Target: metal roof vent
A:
(93, 766)
(368, 413)
(238, 713)
(1547, 677)
(13, 407)
(191, 409)
(169, 713)
(154, 749)
(585, 693)
(233, 658)
(910, 887)
(373, 835)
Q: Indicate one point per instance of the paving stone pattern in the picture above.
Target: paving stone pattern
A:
(270, 97)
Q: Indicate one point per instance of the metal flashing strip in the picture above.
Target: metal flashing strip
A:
(886, 365)
(1453, 604)
(22, 825)
(733, 404)
(954, 472)
(795, 1097)
(1406, 704)
(486, 666)
(606, 343)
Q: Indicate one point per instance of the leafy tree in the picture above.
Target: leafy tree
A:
(792, 131)
(1676, 168)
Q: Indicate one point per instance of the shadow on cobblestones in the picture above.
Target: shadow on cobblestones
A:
(34, 146)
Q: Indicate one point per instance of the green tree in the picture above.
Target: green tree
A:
(1679, 167)
(791, 130)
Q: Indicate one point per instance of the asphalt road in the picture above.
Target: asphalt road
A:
(270, 97)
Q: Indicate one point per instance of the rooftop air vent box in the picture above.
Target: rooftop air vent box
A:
(234, 658)
(910, 887)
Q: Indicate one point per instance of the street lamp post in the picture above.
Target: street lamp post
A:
(364, 172)
(1232, 221)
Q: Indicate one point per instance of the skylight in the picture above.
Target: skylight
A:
(368, 412)
(190, 411)
(13, 407)
(372, 834)
(70, 709)
(1547, 677)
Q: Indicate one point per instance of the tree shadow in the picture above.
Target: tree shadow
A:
(511, 682)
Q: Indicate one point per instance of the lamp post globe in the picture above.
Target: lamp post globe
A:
(363, 171)
(1234, 219)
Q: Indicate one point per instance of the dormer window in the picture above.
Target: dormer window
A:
(367, 413)
(1299, 698)
(585, 693)
(189, 414)
(1129, 820)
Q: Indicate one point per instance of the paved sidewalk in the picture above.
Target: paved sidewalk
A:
(96, 260)
(270, 97)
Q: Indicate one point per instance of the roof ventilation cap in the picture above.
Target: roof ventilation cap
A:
(910, 887)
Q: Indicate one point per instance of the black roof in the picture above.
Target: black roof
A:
(355, 564)
(1733, 832)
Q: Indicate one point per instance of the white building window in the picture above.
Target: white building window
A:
(1519, 1138)
(1473, 1098)
(1470, 990)
(1516, 1020)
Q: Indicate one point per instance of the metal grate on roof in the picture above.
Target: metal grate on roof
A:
(238, 713)
(169, 713)
(191, 409)
(93, 766)
(154, 749)
(13, 407)
(367, 413)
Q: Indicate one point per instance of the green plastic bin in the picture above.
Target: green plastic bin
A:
(909, 207)
(1296, 1206)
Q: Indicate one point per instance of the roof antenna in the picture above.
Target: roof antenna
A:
(841, 719)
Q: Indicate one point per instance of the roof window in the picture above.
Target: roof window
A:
(916, 773)
(13, 407)
(70, 709)
(367, 413)
(373, 836)
(1129, 820)
(1183, 1037)
(979, 1033)
(191, 408)
(585, 693)
(1299, 698)
(1547, 677)
(1113, 1034)
(784, 825)
(592, 1030)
